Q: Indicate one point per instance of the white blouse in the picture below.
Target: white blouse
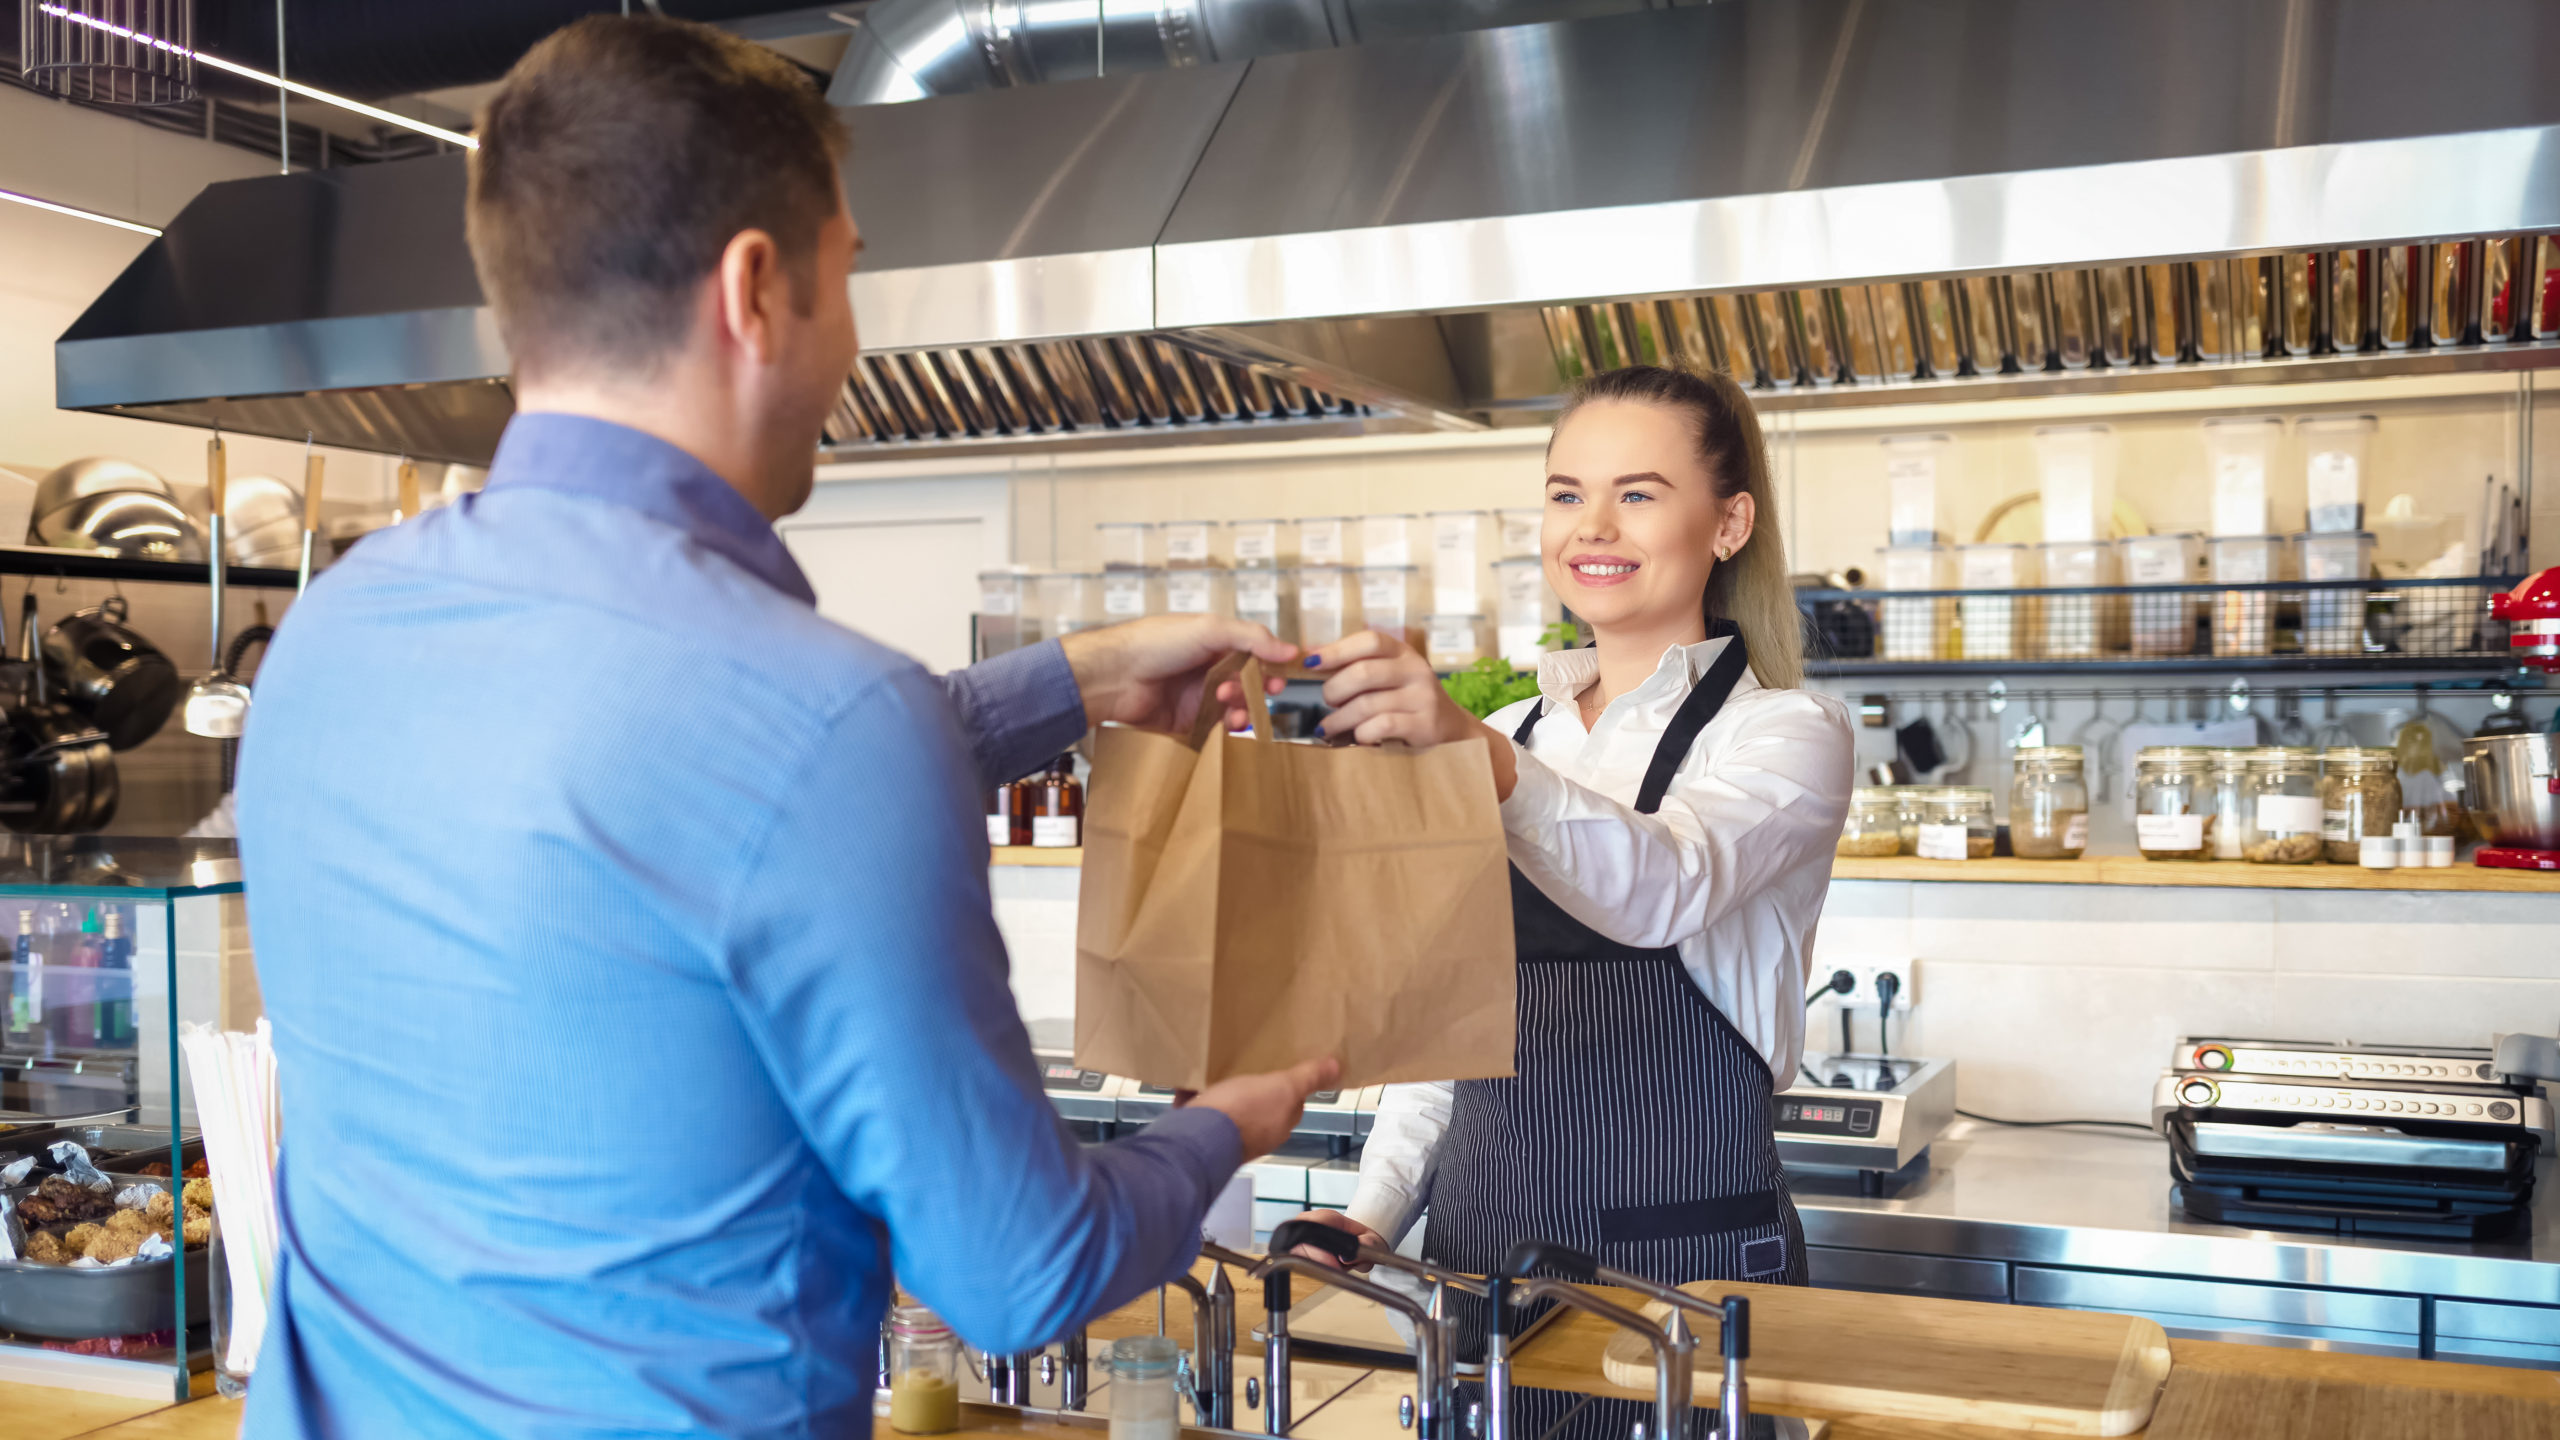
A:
(1731, 869)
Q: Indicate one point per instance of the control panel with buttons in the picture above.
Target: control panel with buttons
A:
(2266, 1057)
(2198, 1092)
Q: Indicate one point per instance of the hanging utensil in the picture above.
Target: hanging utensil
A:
(61, 773)
(217, 705)
(311, 465)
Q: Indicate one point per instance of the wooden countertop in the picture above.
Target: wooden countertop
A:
(2233, 874)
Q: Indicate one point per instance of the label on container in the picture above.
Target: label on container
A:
(2168, 832)
(1187, 594)
(2075, 833)
(2332, 482)
(1454, 638)
(1382, 593)
(1911, 570)
(2288, 814)
(1124, 598)
(1320, 590)
(2335, 826)
(999, 831)
(1990, 568)
(1256, 544)
(2156, 564)
(1257, 590)
(2334, 558)
(1320, 542)
(1000, 600)
(1942, 842)
(1057, 832)
(1520, 531)
(1911, 484)
(2240, 495)
(1523, 587)
(1187, 541)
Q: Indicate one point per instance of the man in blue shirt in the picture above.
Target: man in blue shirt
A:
(624, 923)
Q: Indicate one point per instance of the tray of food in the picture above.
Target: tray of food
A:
(93, 1251)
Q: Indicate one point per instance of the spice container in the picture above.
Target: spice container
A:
(2243, 619)
(1185, 543)
(2335, 566)
(1875, 822)
(2170, 798)
(1142, 1392)
(1956, 824)
(1393, 540)
(1390, 601)
(1328, 604)
(1518, 532)
(1055, 803)
(1996, 627)
(2048, 804)
(924, 1373)
(2240, 460)
(1919, 628)
(2359, 797)
(1263, 598)
(2162, 624)
(1128, 594)
(1461, 553)
(1909, 801)
(2234, 827)
(2335, 453)
(1913, 465)
(1008, 818)
(2284, 789)
(1127, 543)
(2080, 626)
(1321, 540)
(1196, 591)
(1253, 543)
(1453, 642)
(1070, 601)
(2075, 478)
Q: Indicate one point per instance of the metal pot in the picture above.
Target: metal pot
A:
(115, 506)
(2512, 785)
(57, 773)
(111, 674)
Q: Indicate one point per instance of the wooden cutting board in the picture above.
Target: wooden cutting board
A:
(2058, 1372)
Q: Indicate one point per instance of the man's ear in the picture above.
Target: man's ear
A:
(754, 294)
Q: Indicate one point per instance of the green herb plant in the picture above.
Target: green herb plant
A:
(1491, 683)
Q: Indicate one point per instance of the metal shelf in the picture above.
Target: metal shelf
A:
(98, 565)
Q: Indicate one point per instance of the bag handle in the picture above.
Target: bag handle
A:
(1241, 667)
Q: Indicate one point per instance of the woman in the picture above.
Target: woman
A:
(1671, 800)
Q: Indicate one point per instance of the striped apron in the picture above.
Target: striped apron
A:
(1637, 1127)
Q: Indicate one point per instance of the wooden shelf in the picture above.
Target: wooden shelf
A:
(2223, 874)
(1061, 857)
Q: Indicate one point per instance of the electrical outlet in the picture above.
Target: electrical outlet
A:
(1864, 997)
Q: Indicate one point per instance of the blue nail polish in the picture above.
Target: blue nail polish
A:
(1319, 729)
(1314, 660)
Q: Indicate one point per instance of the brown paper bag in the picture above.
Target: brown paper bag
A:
(1248, 904)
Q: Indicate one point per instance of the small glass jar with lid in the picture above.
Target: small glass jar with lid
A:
(2359, 796)
(1956, 824)
(1142, 1389)
(2048, 804)
(1875, 823)
(1909, 801)
(924, 1373)
(2172, 795)
(2235, 814)
(2284, 790)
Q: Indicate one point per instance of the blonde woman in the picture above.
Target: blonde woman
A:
(1672, 798)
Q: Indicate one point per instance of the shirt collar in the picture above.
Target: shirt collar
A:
(1564, 674)
(599, 460)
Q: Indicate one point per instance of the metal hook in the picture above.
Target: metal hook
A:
(2238, 695)
(1999, 692)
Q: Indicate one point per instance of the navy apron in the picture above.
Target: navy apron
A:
(1637, 1128)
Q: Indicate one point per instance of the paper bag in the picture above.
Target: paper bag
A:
(1248, 904)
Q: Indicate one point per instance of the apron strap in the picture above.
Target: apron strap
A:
(1705, 699)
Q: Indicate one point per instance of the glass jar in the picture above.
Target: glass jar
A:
(2359, 796)
(1909, 801)
(2048, 804)
(1056, 805)
(924, 1373)
(1142, 1390)
(2234, 827)
(1875, 823)
(2284, 790)
(1956, 824)
(2171, 794)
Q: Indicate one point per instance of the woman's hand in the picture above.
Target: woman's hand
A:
(1382, 689)
(1340, 1221)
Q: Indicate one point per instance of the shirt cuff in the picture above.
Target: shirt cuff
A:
(1019, 710)
(1384, 1207)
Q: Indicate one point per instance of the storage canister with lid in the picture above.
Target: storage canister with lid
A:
(2235, 813)
(1142, 1389)
(2171, 801)
(2048, 804)
(1956, 824)
(924, 1373)
(1875, 822)
(2284, 789)
(2359, 796)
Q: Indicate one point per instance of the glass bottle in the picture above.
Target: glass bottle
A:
(1875, 823)
(1142, 1390)
(2234, 827)
(1008, 818)
(2171, 794)
(924, 1373)
(115, 1002)
(1956, 824)
(2359, 796)
(2284, 789)
(2048, 804)
(26, 978)
(1056, 805)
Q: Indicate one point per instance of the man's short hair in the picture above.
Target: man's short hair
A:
(617, 160)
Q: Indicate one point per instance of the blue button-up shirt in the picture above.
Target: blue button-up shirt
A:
(640, 1008)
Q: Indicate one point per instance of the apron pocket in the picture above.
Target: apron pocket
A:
(1687, 1219)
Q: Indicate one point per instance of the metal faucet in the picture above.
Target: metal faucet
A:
(1732, 1315)
(1434, 1369)
(1733, 1407)
(1671, 1354)
(1213, 1338)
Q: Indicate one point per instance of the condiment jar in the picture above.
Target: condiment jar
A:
(1142, 1390)
(924, 1373)
(1056, 805)
(2284, 790)
(1912, 800)
(2171, 796)
(2048, 804)
(1956, 824)
(2234, 827)
(1875, 823)
(2359, 795)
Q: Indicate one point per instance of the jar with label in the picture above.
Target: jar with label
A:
(1390, 601)
(1185, 542)
(924, 1373)
(1328, 604)
(1394, 540)
(2359, 796)
(1126, 544)
(1956, 824)
(2172, 820)
(1909, 801)
(1321, 540)
(1008, 819)
(1128, 594)
(2284, 788)
(1518, 531)
(1198, 591)
(1253, 543)
(2233, 807)
(1262, 598)
(1142, 1389)
(2048, 804)
(1055, 803)
(1454, 642)
(1875, 823)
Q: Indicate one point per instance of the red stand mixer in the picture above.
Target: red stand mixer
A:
(2512, 782)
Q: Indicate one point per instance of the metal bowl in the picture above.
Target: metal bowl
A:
(136, 524)
(262, 521)
(97, 475)
(2512, 785)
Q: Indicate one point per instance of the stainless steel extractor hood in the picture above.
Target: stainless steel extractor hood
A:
(1836, 200)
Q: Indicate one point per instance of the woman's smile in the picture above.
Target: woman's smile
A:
(1594, 571)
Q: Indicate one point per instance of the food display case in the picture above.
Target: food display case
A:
(119, 941)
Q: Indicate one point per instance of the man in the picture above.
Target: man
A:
(625, 924)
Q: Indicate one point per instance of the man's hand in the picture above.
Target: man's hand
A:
(1148, 672)
(1266, 1107)
(1340, 1221)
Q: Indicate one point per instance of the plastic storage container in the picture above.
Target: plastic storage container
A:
(2079, 626)
(1070, 600)
(1923, 628)
(2284, 789)
(1198, 591)
(1462, 544)
(1264, 596)
(1127, 543)
(1956, 824)
(2233, 807)
(1326, 540)
(1255, 543)
(1453, 641)
(1996, 627)
(1394, 540)
(1328, 603)
(2048, 804)
(2241, 456)
(2337, 454)
(1516, 532)
(2359, 797)
(1874, 827)
(2333, 614)
(1391, 601)
(2161, 624)
(924, 1373)
(2243, 620)
(1142, 1389)
(1523, 609)
(1006, 619)
(2076, 480)
(1916, 476)
(2172, 812)
(1187, 544)
(1130, 593)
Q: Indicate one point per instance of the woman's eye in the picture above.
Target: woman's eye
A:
(1634, 495)
(1564, 497)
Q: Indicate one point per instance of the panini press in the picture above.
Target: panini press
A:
(2433, 1143)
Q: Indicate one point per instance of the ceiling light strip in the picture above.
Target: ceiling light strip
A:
(77, 213)
(262, 77)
